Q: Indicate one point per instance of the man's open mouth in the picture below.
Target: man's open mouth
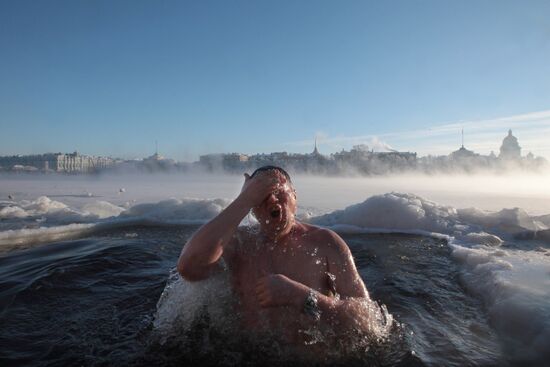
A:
(275, 212)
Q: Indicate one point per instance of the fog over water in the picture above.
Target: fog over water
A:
(487, 192)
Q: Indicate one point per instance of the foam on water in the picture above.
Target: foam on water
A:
(396, 212)
(174, 211)
(41, 206)
(514, 286)
(44, 220)
(181, 302)
(56, 212)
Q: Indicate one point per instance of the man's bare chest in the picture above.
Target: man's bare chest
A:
(303, 264)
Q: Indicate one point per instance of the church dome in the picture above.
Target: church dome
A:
(510, 148)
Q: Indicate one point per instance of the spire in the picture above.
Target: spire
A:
(156, 148)
(462, 137)
(315, 151)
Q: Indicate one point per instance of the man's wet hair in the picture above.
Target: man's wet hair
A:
(269, 168)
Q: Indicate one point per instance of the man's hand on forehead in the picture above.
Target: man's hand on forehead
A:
(280, 180)
(271, 172)
(257, 188)
(274, 176)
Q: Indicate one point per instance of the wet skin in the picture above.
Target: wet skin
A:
(268, 277)
(275, 266)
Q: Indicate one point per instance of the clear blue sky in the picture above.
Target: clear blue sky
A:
(111, 77)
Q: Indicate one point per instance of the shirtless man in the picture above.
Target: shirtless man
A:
(288, 276)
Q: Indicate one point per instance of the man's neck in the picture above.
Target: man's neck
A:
(280, 236)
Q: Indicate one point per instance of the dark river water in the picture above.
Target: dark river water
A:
(92, 302)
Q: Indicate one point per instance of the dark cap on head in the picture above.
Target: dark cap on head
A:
(269, 168)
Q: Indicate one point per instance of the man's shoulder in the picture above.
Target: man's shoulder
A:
(335, 249)
(238, 242)
(242, 236)
(326, 238)
(316, 231)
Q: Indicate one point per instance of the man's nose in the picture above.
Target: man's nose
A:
(272, 198)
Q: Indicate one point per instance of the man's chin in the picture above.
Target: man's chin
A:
(274, 226)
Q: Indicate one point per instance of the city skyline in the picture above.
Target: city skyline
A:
(519, 151)
(359, 142)
(110, 78)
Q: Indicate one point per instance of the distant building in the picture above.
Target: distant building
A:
(228, 162)
(510, 149)
(357, 154)
(155, 163)
(55, 162)
(154, 158)
(76, 162)
(366, 161)
(463, 153)
(234, 161)
(397, 158)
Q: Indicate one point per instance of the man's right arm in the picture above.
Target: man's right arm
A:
(200, 255)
